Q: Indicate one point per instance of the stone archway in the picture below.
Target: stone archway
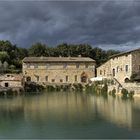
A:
(126, 80)
(84, 77)
(28, 79)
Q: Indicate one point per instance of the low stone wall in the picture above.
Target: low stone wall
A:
(132, 87)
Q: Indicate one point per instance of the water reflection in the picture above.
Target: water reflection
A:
(68, 109)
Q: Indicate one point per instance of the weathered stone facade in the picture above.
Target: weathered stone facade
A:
(46, 70)
(11, 80)
(121, 66)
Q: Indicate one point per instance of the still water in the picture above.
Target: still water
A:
(69, 115)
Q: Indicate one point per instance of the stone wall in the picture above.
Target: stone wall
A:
(11, 83)
(132, 87)
(104, 70)
(58, 72)
(119, 65)
(136, 62)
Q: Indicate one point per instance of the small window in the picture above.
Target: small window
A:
(47, 65)
(139, 67)
(117, 68)
(53, 80)
(37, 78)
(75, 78)
(35, 66)
(61, 81)
(65, 66)
(77, 65)
(28, 79)
(126, 68)
(86, 66)
(46, 78)
(28, 65)
(104, 72)
(6, 85)
(100, 72)
(67, 78)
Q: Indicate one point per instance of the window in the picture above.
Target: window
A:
(6, 85)
(28, 65)
(126, 68)
(46, 78)
(67, 78)
(104, 72)
(47, 65)
(37, 78)
(139, 67)
(61, 80)
(65, 66)
(28, 79)
(113, 71)
(117, 68)
(75, 78)
(86, 66)
(35, 66)
(100, 72)
(77, 65)
(53, 80)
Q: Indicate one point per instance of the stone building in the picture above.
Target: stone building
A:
(49, 70)
(11, 80)
(121, 66)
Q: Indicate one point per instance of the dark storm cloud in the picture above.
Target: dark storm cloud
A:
(108, 24)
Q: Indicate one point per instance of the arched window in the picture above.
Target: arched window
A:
(113, 71)
(126, 80)
(83, 77)
(28, 79)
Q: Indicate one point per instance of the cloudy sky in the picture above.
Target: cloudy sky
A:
(109, 24)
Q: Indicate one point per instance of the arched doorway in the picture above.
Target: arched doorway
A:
(28, 79)
(126, 80)
(83, 77)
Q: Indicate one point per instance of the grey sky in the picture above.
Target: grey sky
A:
(107, 24)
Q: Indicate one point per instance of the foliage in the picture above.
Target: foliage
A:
(14, 55)
(37, 49)
(77, 87)
(5, 65)
(124, 92)
(33, 87)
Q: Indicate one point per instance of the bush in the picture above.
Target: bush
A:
(78, 87)
(124, 93)
(104, 90)
(50, 88)
(33, 87)
(131, 94)
(114, 92)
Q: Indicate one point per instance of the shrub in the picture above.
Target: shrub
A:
(131, 94)
(124, 92)
(32, 87)
(78, 87)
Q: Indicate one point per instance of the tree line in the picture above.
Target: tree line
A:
(11, 56)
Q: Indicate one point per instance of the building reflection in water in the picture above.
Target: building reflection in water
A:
(72, 108)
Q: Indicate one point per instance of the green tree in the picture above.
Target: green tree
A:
(5, 65)
(4, 56)
(38, 49)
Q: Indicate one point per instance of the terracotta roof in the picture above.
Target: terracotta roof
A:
(58, 59)
(124, 53)
(11, 77)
